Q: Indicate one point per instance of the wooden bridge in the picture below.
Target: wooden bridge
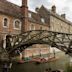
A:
(18, 43)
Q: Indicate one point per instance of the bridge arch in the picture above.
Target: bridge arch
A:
(62, 41)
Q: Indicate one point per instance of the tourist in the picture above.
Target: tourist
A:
(9, 66)
(5, 67)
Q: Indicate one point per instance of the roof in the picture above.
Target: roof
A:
(36, 17)
(9, 8)
(44, 12)
(15, 10)
(59, 17)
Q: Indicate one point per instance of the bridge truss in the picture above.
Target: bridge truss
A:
(62, 41)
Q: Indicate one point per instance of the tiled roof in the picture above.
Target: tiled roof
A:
(10, 8)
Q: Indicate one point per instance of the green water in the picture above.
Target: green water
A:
(33, 67)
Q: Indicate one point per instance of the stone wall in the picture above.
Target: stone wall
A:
(58, 25)
(37, 26)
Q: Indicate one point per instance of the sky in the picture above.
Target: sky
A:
(62, 6)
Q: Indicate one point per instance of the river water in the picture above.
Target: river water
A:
(35, 67)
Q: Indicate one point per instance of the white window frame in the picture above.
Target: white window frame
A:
(42, 20)
(7, 23)
(19, 25)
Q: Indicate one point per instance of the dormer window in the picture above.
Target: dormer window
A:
(17, 24)
(29, 15)
(5, 22)
(42, 20)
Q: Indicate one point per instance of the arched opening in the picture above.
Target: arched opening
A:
(40, 53)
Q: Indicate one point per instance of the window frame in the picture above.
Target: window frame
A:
(32, 25)
(42, 20)
(7, 22)
(19, 25)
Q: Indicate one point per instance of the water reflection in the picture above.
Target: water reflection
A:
(36, 67)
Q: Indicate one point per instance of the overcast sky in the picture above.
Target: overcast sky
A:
(63, 6)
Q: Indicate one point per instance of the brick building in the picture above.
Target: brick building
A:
(17, 19)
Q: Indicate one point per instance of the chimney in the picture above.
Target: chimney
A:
(53, 9)
(63, 16)
(24, 10)
(36, 9)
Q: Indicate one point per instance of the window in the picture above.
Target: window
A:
(42, 20)
(41, 28)
(32, 27)
(17, 24)
(29, 15)
(61, 27)
(5, 22)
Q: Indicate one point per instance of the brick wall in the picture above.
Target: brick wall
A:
(10, 28)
